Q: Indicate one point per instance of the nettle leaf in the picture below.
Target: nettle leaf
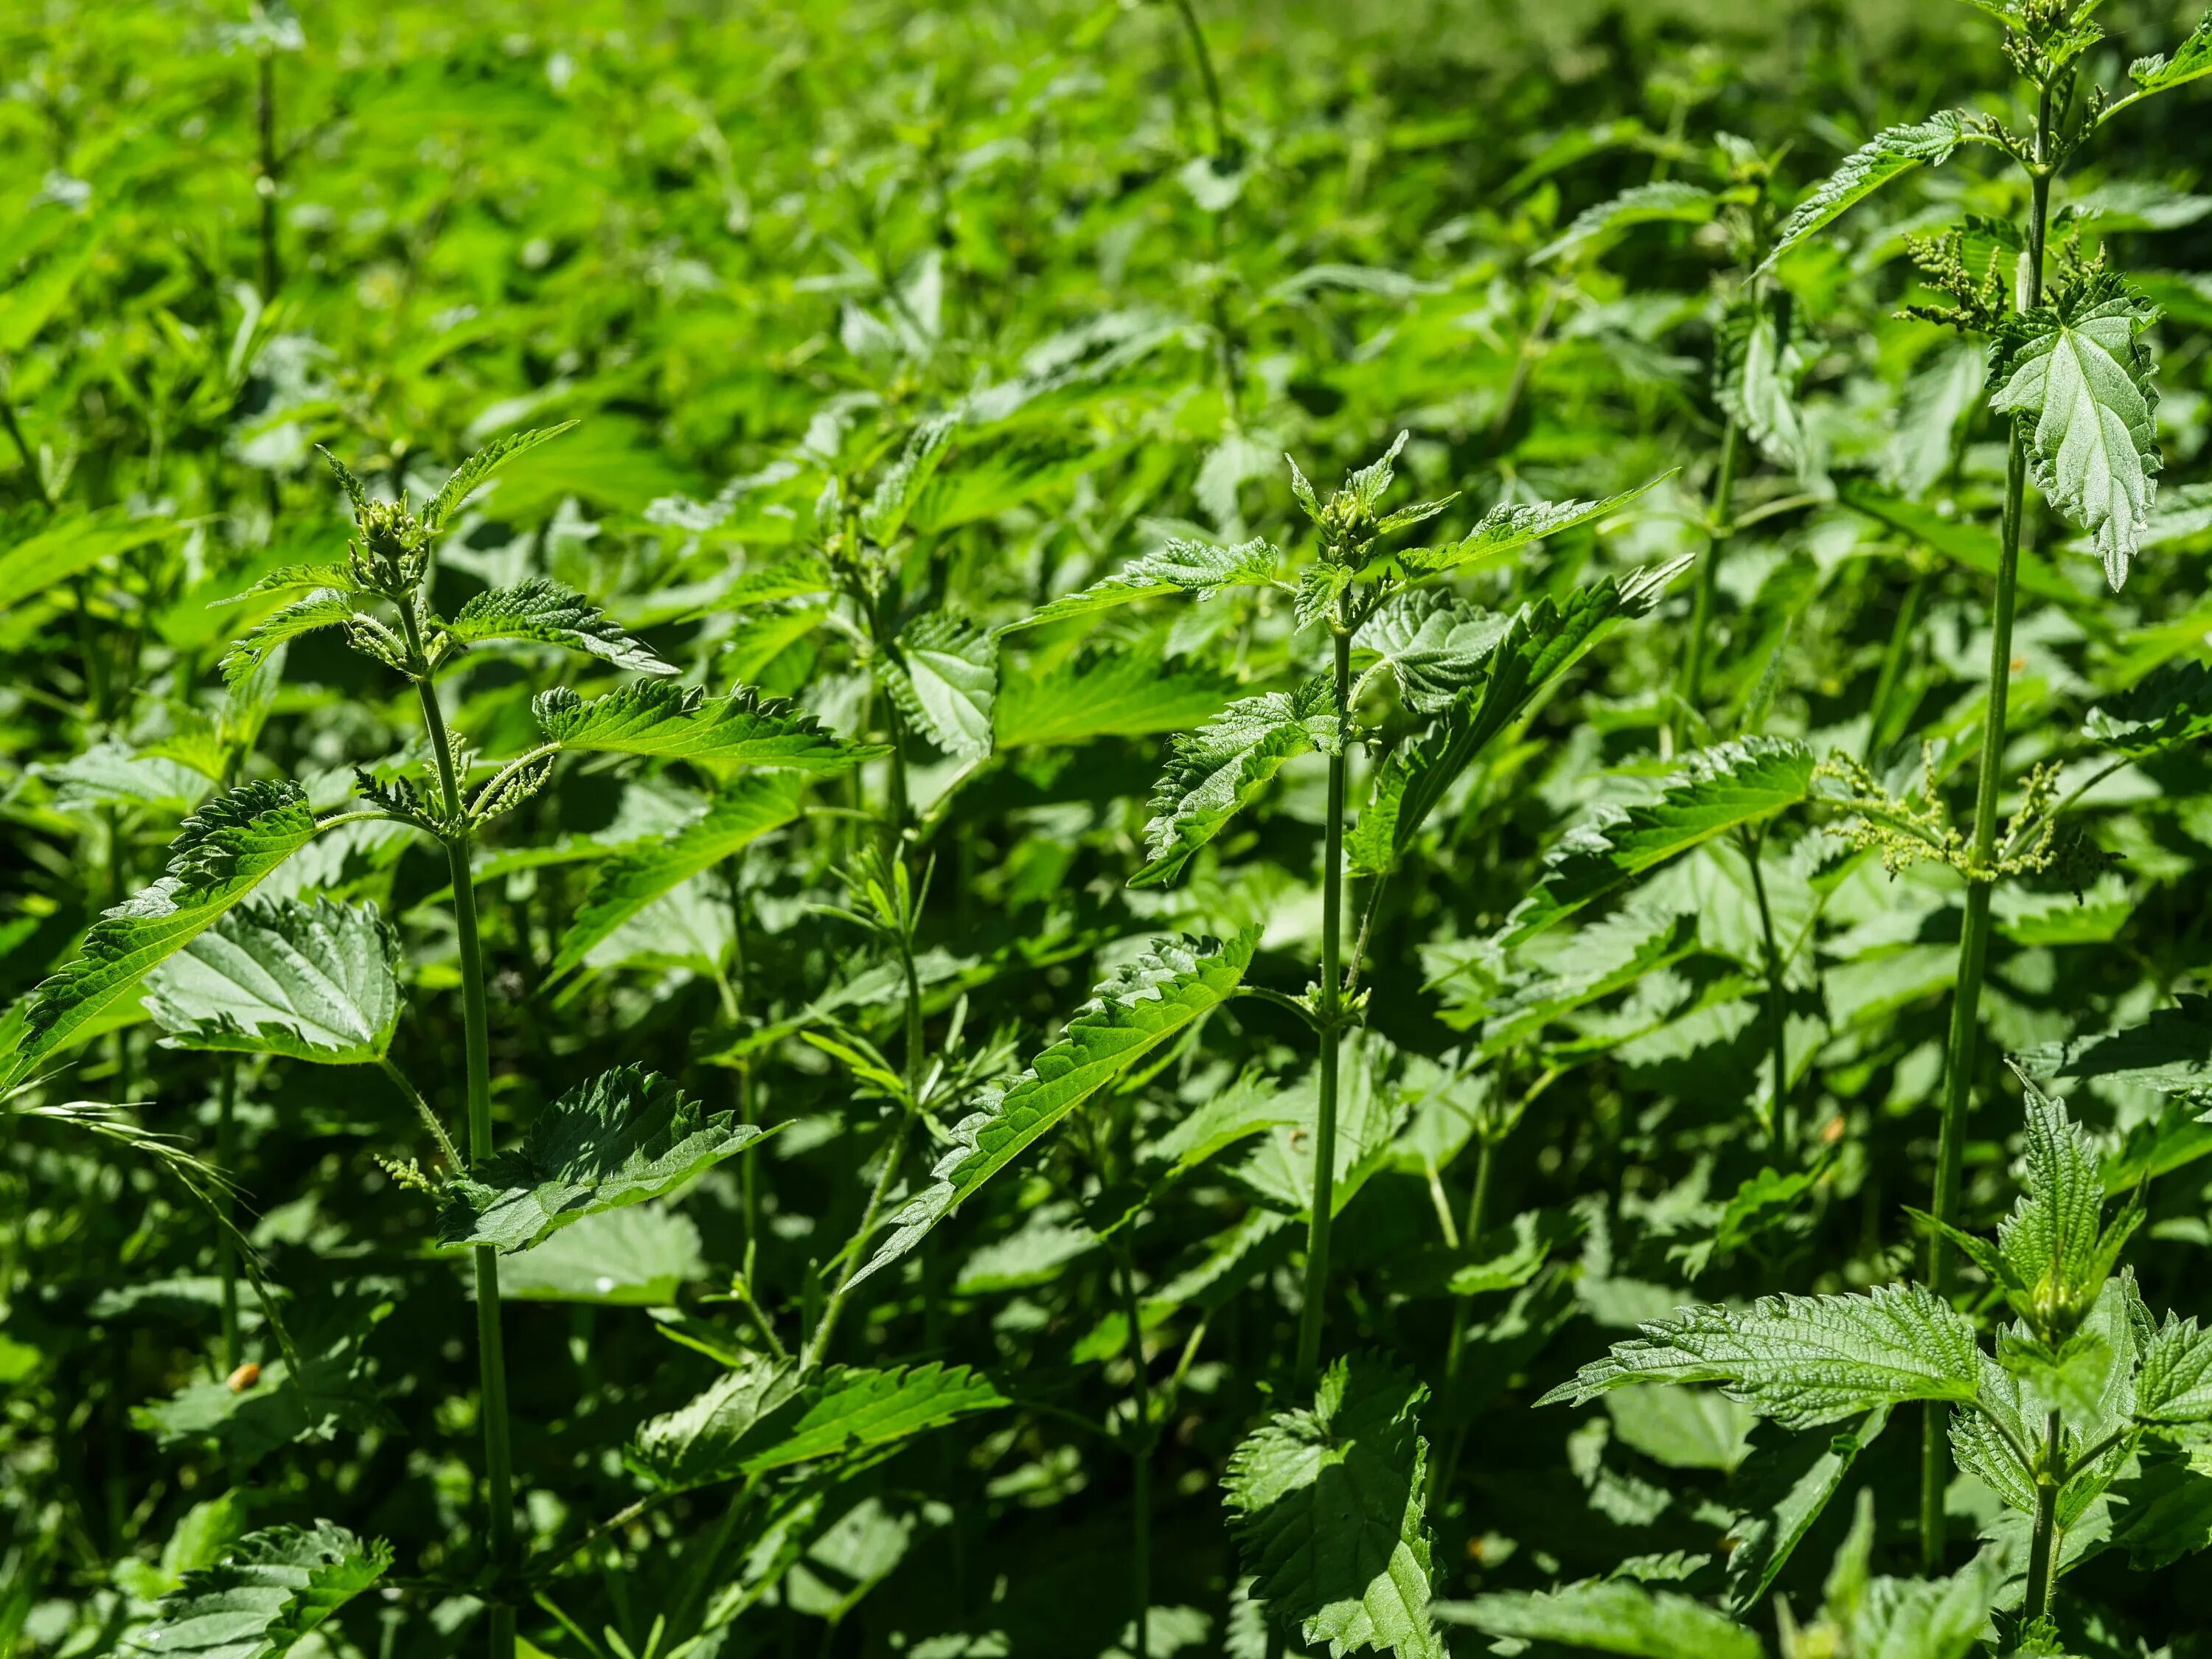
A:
(312, 981)
(2172, 704)
(901, 486)
(1757, 385)
(1145, 1002)
(271, 1590)
(681, 722)
(1887, 155)
(1327, 1507)
(1718, 789)
(1783, 1491)
(1214, 772)
(476, 472)
(222, 853)
(1200, 569)
(2077, 377)
(1667, 202)
(626, 1136)
(2056, 1254)
(110, 774)
(760, 1417)
(1542, 641)
(2191, 61)
(542, 611)
(1507, 528)
(625, 883)
(1611, 1616)
(2175, 1383)
(326, 607)
(1803, 1360)
(1129, 694)
(1435, 645)
(944, 674)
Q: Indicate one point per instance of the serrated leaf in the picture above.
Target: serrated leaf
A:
(1665, 202)
(1887, 155)
(112, 774)
(679, 722)
(1757, 385)
(1783, 1490)
(2171, 704)
(1214, 772)
(1327, 1506)
(2175, 1383)
(2191, 60)
(624, 1137)
(220, 853)
(541, 611)
(885, 512)
(1144, 1003)
(70, 542)
(1542, 641)
(1128, 694)
(2170, 1051)
(625, 883)
(944, 673)
(1199, 568)
(642, 1255)
(326, 607)
(270, 1590)
(315, 980)
(1802, 1360)
(2076, 376)
(1610, 1616)
(1435, 646)
(2056, 1253)
(1717, 790)
(476, 472)
(1507, 528)
(761, 1417)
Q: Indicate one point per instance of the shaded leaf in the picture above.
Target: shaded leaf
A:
(1214, 772)
(2171, 704)
(271, 1590)
(1667, 201)
(311, 980)
(1784, 1491)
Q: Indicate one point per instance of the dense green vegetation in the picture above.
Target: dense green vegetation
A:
(1146, 829)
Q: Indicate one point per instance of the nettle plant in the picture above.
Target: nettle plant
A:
(2070, 369)
(2080, 1391)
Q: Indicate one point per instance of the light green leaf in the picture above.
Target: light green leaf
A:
(763, 1416)
(2077, 377)
(1803, 1360)
(903, 483)
(1434, 645)
(1126, 694)
(1507, 528)
(1717, 790)
(1147, 1001)
(314, 981)
(681, 722)
(268, 1592)
(625, 883)
(1886, 155)
(476, 472)
(1683, 1428)
(1542, 641)
(71, 543)
(1666, 201)
(541, 611)
(1757, 385)
(944, 674)
(326, 607)
(1613, 1616)
(2175, 1383)
(112, 774)
(640, 1256)
(1214, 772)
(2172, 704)
(2191, 61)
(624, 1137)
(1972, 546)
(1327, 1506)
(2056, 1253)
(222, 853)
(2170, 1051)
(1938, 397)
(1199, 568)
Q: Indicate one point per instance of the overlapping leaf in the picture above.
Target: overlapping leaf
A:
(683, 723)
(1665, 202)
(314, 981)
(626, 1136)
(271, 1588)
(1507, 528)
(1214, 772)
(1200, 569)
(1886, 155)
(1610, 1616)
(1129, 694)
(1147, 1001)
(2172, 704)
(944, 676)
(1327, 1507)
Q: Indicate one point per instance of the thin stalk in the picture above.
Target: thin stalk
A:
(1332, 1031)
(1959, 1052)
(1892, 664)
(413, 1097)
(491, 1349)
(1524, 364)
(22, 448)
(1206, 71)
(1140, 1460)
(1689, 686)
(1777, 1007)
(226, 1158)
(2042, 1548)
(1478, 1217)
(264, 181)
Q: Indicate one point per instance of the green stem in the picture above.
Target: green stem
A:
(1206, 71)
(2042, 1548)
(226, 1158)
(1959, 1052)
(1777, 1007)
(1332, 1005)
(817, 1345)
(413, 1097)
(1892, 666)
(491, 1351)
(1140, 1460)
(1689, 688)
(1477, 1217)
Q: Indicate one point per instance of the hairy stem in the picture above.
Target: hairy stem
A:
(226, 1158)
(1778, 1006)
(1689, 685)
(1959, 1052)
(413, 1097)
(2043, 1547)
(1332, 1006)
(491, 1352)
(1205, 71)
